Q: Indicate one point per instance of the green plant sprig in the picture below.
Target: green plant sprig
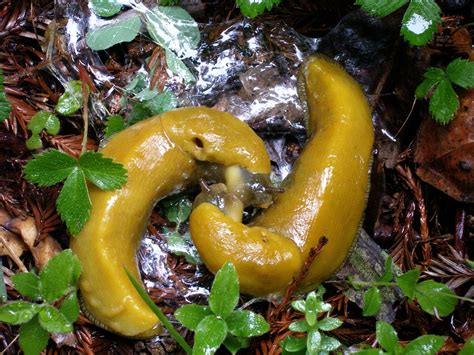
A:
(5, 106)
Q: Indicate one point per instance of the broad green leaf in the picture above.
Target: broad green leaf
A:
(293, 344)
(246, 324)
(299, 305)
(380, 8)
(253, 8)
(70, 307)
(425, 87)
(102, 172)
(49, 168)
(433, 295)
(224, 291)
(370, 352)
(234, 344)
(209, 335)
(328, 324)
(27, 283)
(182, 246)
(444, 102)
(18, 312)
(71, 100)
(388, 272)
(177, 209)
(105, 8)
(44, 120)
(34, 142)
(56, 277)
(426, 345)
(329, 343)
(123, 30)
(461, 72)
(311, 310)
(114, 124)
(420, 21)
(54, 321)
(386, 336)
(300, 326)
(468, 348)
(173, 29)
(178, 67)
(436, 74)
(74, 204)
(408, 281)
(372, 302)
(191, 315)
(313, 343)
(33, 338)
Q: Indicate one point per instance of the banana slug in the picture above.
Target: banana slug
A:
(160, 155)
(325, 194)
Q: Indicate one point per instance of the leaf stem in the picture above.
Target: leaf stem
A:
(181, 341)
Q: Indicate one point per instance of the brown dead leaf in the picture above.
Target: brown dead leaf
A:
(445, 154)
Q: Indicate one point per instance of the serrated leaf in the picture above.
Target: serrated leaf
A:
(54, 321)
(253, 8)
(293, 344)
(435, 298)
(27, 283)
(56, 277)
(224, 291)
(380, 8)
(388, 272)
(32, 337)
(5, 106)
(210, 334)
(372, 302)
(426, 345)
(299, 305)
(173, 28)
(34, 142)
(234, 344)
(300, 326)
(105, 8)
(71, 100)
(114, 124)
(461, 72)
(123, 30)
(408, 281)
(102, 172)
(18, 312)
(468, 348)
(70, 307)
(74, 204)
(328, 324)
(311, 308)
(386, 336)
(178, 67)
(329, 343)
(44, 120)
(420, 21)
(313, 343)
(191, 315)
(49, 168)
(444, 102)
(246, 324)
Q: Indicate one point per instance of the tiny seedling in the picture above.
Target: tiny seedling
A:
(253, 8)
(42, 120)
(71, 100)
(53, 306)
(5, 106)
(314, 341)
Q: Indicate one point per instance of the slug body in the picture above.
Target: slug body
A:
(160, 155)
(325, 194)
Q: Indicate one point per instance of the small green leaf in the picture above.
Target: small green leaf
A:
(114, 124)
(388, 272)
(370, 352)
(74, 204)
(328, 324)
(49, 168)
(461, 72)
(138, 83)
(468, 348)
(224, 291)
(34, 142)
(426, 345)
(139, 112)
(329, 343)
(70, 307)
(246, 324)
(56, 277)
(5, 106)
(182, 246)
(209, 335)
(54, 321)
(407, 282)
(299, 305)
(372, 302)
(178, 67)
(253, 8)
(33, 338)
(380, 8)
(386, 336)
(444, 102)
(71, 100)
(433, 295)
(293, 344)
(105, 8)
(300, 326)
(234, 344)
(123, 30)
(44, 120)
(102, 172)
(311, 308)
(18, 312)
(27, 283)
(313, 343)
(177, 209)
(162, 102)
(420, 21)
(191, 315)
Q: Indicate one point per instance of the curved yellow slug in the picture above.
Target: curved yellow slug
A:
(324, 196)
(160, 155)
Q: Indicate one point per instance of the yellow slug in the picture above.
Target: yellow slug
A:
(324, 195)
(160, 155)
